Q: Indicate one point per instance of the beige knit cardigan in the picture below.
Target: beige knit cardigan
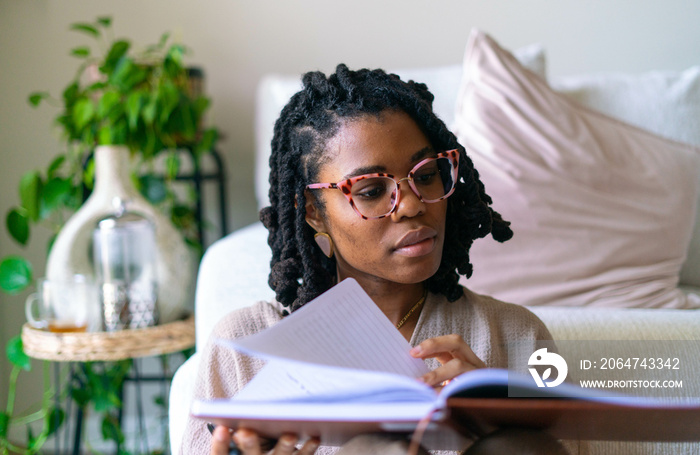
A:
(486, 324)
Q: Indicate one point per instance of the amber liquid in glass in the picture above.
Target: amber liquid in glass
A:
(66, 327)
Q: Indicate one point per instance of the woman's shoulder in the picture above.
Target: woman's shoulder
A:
(492, 306)
(510, 318)
(248, 320)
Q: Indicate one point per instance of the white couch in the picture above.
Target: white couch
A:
(234, 270)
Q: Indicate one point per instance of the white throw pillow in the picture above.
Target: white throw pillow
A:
(664, 102)
(602, 211)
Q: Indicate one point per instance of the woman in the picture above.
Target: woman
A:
(366, 182)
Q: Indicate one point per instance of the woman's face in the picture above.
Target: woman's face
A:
(403, 247)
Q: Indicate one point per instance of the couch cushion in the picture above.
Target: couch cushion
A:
(602, 211)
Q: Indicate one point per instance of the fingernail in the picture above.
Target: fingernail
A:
(416, 350)
(243, 439)
(288, 441)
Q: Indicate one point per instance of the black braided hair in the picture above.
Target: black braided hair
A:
(299, 270)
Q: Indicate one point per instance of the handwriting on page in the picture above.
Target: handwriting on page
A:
(342, 327)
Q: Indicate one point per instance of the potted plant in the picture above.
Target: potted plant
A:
(140, 101)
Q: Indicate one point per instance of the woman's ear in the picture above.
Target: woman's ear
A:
(313, 214)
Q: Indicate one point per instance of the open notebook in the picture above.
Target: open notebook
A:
(337, 367)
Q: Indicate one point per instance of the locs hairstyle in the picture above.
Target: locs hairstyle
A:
(299, 270)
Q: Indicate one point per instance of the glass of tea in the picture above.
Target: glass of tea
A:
(64, 306)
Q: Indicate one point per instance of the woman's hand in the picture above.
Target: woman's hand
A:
(249, 443)
(453, 353)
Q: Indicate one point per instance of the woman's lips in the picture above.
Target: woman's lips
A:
(416, 243)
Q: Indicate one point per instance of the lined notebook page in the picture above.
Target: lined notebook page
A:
(290, 381)
(342, 327)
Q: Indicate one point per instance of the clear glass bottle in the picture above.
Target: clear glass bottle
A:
(124, 251)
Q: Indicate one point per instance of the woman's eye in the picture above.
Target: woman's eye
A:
(424, 178)
(371, 192)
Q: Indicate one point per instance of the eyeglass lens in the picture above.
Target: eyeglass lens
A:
(375, 196)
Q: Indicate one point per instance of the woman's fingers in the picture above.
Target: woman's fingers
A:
(286, 445)
(446, 372)
(447, 347)
(221, 440)
(454, 355)
(309, 447)
(248, 442)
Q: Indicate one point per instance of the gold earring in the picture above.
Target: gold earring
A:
(324, 242)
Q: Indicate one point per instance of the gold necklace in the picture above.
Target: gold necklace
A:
(412, 310)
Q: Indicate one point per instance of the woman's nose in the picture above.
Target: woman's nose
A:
(408, 203)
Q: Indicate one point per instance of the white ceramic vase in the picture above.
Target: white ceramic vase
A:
(71, 252)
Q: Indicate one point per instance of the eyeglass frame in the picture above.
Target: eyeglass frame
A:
(345, 186)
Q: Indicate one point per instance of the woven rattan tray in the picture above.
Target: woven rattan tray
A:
(108, 346)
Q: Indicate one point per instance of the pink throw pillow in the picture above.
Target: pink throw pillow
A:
(602, 211)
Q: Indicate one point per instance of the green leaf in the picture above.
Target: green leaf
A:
(55, 166)
(4, 424)
(89, 174)
(160, 400)
(182, 216)
(187, 353)
(104, 135)
(29, 193)
(168, 98)
(81, 396)
(70, 94)
(153, 188)
(200, 105)
(104, 400)
(105, 21)
(18, 226)
(75, 198)
(54, 420)
(15, 274)
(80, 52)
(36, 97)
(163, 40)
(83, 111)
(50, 243)
(149, 111)
(189, 128)
(120, 72)
(107, 103)
(127, 75)
(54, 194)
(87, 135)
(133, 108)
(119, 131)
(31, 440)
(208, 141)
(176, 54)
(111, 430)
(149, 147)
(96, 86)
(116, 52)
(88, 29)
(172, 165)
(15, 353)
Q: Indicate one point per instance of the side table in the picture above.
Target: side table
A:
(106, 347)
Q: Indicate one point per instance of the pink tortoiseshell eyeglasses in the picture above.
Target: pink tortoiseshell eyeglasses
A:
(377, 195)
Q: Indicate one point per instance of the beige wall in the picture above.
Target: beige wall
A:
(237, 41)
